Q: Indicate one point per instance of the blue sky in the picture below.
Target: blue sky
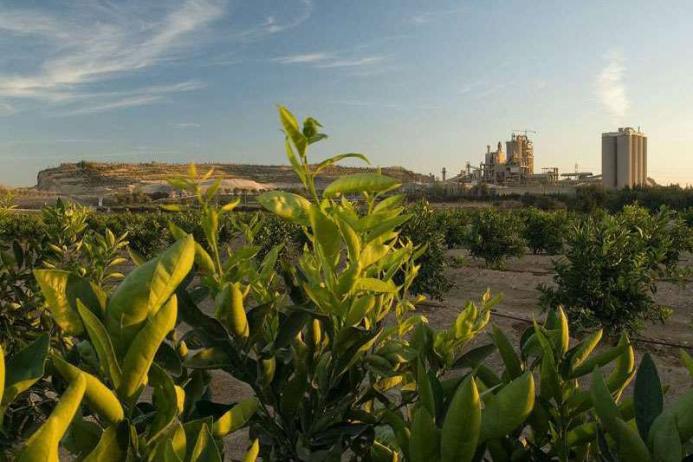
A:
(423, 84)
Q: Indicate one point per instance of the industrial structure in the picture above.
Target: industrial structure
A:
(624, 158)
(514, 166)
(511, 170)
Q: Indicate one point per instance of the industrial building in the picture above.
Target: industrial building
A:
(521, 154)
(624, 158)
(515, 165)
(624, 164)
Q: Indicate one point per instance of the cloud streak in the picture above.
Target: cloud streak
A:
(328, 60)
(425, 17)
(134, 98)
(611, 88)
(81, 53)
(66, 56)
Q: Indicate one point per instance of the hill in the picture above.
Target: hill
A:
(98, 178)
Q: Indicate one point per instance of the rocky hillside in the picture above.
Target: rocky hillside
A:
(94, 178)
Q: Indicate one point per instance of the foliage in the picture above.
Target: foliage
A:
(495, 236)
(274, 231)
(72, 245)
(545, 231)
(7, 204)
(453, 223)
(561, 422)
(674, 197)
(424, 231)
(606, 278)
(658, 433)
(121, 349)
(325, 335)
(308, 353)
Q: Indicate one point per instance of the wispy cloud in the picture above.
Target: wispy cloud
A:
(307, 58)
(270, 24)
(326, 60)
(356, 62)
(611, 88)
(139, 97)
(67, 55)
(187, 125)
(81, 51)
(425, 17)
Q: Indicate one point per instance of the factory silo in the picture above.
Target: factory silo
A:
(624, 158)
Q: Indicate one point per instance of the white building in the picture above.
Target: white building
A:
(624, 158)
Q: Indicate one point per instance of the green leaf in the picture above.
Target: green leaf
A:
(140, 354)
(82, 437)
(144, 291)
(99, 397)
(681, 409)
(292, 130)
(165, 399)
(462, 424)
(235, 418)
(205, 449)
(603, 402)
(61, 290)
(360, 183)
(624, 369)
(24, 368)
(209, 358)
(507, 353)
(599, 360)
(43, 445)
(326, 232)
(424, 388)
(647, 394)
(424, 443)
(376, 285)
(112, 446)
(102, 343)
(508, 409)
(289, 206)
(290, 327)
(630, 446)
(253, 451)
(334, 159)
(372, 253)
(474, 357)
(664, 438)
(582, 351)
(564, 331)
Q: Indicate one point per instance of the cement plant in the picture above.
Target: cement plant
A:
(511, 169)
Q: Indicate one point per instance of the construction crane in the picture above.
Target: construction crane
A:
(525, 131)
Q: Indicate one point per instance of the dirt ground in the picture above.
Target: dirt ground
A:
(520, 298)
(518, 284)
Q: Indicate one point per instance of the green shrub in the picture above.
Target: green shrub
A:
(545, 231)
(495, 236)
(607, 278)
(424, 231)
(453, 223)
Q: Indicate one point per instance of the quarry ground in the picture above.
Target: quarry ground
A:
(518, 285)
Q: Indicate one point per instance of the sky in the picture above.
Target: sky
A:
(421, 84)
